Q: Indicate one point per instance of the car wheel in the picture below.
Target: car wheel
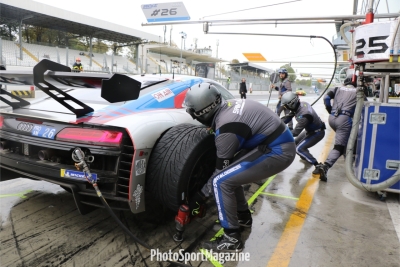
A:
(181, 162)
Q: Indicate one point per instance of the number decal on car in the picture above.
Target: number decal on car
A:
(43, 131)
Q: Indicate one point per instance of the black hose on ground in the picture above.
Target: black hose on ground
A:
(80, 162)
(144, 244)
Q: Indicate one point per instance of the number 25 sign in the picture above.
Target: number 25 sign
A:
(371, 42)
(165, 12)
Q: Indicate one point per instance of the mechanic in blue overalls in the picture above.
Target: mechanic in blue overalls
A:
(307, 120)
(285, 85)
(252, 144)
(340, 120)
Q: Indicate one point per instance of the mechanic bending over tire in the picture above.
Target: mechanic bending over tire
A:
(265, 145)
(285, 85)
(340, 120)
(308, 120)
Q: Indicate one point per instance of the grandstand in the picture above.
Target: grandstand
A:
(33, 53)
(156, 57)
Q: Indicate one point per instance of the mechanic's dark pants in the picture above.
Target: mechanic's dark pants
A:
(279, 110)
(243, 96)
(256, 165)
(342, 126)
(306, 140)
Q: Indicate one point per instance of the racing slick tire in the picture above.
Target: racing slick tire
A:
(181, 162)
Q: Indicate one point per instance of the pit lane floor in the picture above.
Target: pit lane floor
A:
(297, 221)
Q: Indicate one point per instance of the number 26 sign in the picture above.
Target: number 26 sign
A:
(165, 12)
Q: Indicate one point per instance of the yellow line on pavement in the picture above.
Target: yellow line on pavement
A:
(251, 200)
(287, 243)
(21, 194)
(276, 195)
(209, 256)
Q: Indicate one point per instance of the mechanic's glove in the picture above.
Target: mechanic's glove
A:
(210, 131)
(329, 109)
(286, 119)
(196, 202)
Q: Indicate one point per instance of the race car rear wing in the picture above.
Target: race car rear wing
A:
(50, 76)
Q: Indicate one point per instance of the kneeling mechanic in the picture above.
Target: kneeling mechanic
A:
(252, 144)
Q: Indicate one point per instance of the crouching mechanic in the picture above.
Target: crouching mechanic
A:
(340, 119)
(308, 120)
(266, 147)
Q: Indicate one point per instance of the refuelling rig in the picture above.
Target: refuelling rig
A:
(374, 54)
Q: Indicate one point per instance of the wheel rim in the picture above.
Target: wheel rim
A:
(201, 172)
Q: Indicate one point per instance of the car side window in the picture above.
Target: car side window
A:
(224, 92)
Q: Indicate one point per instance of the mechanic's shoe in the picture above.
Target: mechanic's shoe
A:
(226, 243)
(317, 167)
(322, 172)
(245, 219)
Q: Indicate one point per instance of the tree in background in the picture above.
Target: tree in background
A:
(131, 52)
(28, 34)
(100, 47)
(117, 49)
(234, 61)
(304, 82)
(8, 29)
(292, 74)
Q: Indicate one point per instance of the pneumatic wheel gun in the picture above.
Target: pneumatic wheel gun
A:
(184, 217)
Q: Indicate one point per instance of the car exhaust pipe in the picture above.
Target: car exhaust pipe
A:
(45, 154)
(3, 145)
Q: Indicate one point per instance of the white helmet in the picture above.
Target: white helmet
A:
(290, 100)
(202, 101)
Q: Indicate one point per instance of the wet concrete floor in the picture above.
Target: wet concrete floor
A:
(297, 221)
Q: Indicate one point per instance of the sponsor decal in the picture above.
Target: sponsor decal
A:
(136, 194)
(25, 126)
(226, 164)
(238, 108)
(163, 94)
(348, 88)
(215, 180)
(75, 174)
(140, 166)
(149, 6)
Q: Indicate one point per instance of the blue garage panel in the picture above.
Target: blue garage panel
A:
(378, 144)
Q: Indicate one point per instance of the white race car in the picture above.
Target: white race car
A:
(133, 130)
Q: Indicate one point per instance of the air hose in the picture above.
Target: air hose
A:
(205, 29)
(81, 163)
(334, 70)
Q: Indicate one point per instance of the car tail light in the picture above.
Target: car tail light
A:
(1, 121)
(90, 136)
